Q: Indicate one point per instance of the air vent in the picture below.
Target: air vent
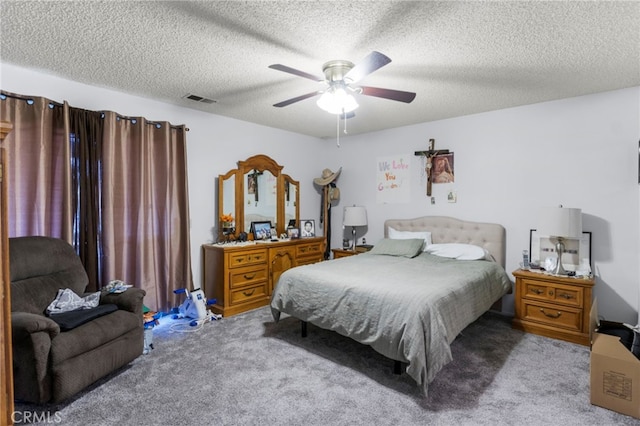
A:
(197, 98)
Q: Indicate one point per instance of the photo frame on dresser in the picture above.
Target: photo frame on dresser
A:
(261, 230)
(541, 247)
(307, 228)
(293, 233)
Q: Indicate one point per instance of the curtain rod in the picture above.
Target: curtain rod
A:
(52, 104)
(29, 100)
(134, 120)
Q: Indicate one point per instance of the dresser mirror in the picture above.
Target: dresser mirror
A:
(260, 197)
(227, 194)
(257, 191)
(291, 202)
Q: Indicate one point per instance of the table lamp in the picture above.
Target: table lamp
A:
(354, 216)
(559, 224)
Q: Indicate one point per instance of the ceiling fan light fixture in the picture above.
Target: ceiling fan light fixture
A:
(337, 101)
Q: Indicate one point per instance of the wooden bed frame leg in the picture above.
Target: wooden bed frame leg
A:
(303, 328)
(397, 367)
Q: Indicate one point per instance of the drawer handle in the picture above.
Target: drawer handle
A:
(303, 249)
(278, 254)
(249, 293)
(536, 291)
(249, 277)
(551, 315)
(567, 296)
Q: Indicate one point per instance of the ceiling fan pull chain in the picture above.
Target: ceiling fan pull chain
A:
(344, 116)
(338, 130)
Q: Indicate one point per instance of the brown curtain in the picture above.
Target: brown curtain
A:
(115, 187)
(39, 196)
(145, 207)
(85, 129)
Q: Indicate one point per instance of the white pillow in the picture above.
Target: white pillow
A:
(410, 235)
(459, 251)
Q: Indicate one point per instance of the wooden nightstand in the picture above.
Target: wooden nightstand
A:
(338, 253)
(553, 306)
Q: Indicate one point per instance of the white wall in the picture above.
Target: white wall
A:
(579, 152)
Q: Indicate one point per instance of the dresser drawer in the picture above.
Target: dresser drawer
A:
(248, 294)
(242, 277)
(553, 315)
(244, 258)
(311, 249)
(556, 293)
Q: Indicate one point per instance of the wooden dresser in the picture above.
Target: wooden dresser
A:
(553, 306)
(241, 277)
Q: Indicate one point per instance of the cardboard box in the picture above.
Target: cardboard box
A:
(615, 372)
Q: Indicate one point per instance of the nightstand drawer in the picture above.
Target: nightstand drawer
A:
(247, 258)
(241, 277)
(249, 293)
(553, 315)
(557, 293)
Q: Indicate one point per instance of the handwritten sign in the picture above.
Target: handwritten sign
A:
(393, 179)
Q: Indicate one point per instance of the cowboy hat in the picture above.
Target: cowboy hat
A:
(327, 177)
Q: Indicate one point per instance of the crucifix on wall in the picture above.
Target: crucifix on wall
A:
(429, 155)
(252, 184)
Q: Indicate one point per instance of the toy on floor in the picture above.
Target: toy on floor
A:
(195, 307)
(150, 320)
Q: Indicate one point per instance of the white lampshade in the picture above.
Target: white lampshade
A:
(560, 222)
(355, 216)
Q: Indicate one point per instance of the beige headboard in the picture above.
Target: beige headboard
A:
(444, 229)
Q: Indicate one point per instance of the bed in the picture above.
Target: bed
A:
(403, 298)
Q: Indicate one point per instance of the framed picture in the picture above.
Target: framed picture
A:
(293, 233)
(443, 168)
(308, 228)
(541, 247)
(261, 230)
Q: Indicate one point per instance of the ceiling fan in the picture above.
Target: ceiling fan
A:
(341, 78)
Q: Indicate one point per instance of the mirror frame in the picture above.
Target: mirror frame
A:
(260, 163)
(287, 179)
(221, 210)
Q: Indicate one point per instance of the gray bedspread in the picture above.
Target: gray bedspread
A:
(408, 310)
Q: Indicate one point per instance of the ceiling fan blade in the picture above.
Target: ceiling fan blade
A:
(296, 99)
(294, 71)
(373, 61)
(394, 95)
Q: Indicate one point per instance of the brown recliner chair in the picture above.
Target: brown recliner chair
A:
(51, 365)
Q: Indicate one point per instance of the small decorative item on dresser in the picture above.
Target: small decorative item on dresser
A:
(308, 228)
(226, 225)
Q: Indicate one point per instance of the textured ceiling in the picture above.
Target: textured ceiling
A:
(459, 57)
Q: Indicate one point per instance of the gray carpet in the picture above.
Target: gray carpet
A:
(247, 370)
